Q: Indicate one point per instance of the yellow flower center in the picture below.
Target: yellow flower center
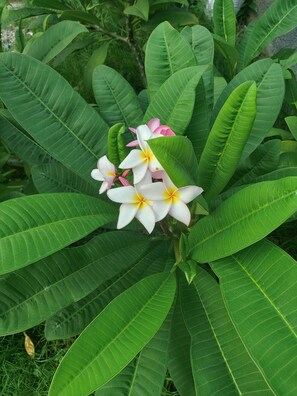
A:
(147, 155)
(110, 173)
(140, 201)
(172, 195)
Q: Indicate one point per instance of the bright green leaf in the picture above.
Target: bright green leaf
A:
(115, 337)
(243, 219)
(224, 20)
(36, 226)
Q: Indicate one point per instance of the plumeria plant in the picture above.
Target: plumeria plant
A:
(167, 267)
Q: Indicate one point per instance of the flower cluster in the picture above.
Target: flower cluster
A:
(153, 195)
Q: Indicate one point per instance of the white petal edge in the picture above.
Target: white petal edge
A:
(180, 212)
(143, 133)
(146, 217)
(161, 209)
(133, 159)
(105, 166)
(127, 214)
(95, 174)
(122, 194)
(188, 193)
(154, 192)
(139, 172)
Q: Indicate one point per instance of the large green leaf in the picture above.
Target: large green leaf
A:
(140, 9)
(116, 99)
(167, 51)
(279, 19)
(243, 219)
(226, 140)
(259, 290)
(15, 15)
(36, 226)
(292, 124)
(145, 375)
(63, 278)
(216, 344)
(54, 40)
(179, 363)
(177, 157)
(115, 337)
(175, 100)
(55, 177)
(201, 42)
(263, 160)
(225, 56)
(97, 58)
(21, 144)
(224, 20)
(270, 94)
(44, 104)
(72, 320)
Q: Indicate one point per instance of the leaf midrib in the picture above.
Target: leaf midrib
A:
(135, 317)
(43, 104)
(62, 280)
(243, 218)
(257, 49)
(265, 295)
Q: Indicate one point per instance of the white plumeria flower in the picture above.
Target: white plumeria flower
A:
(142, 160)
(105, 172)
(133, 205)
(168, 199)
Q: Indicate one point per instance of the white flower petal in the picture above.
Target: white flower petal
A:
(122, 194)
(154, 165)
(104, 187)
(127, 214)
(168, 183)
(188, 193)
(153, 124)
(147, 179)
(146, 217)
(154, 191)
(161, 209)
(143, 133)
(106, 168)
(180, 212)
(139, 172)
(134, 158)
(95, 174)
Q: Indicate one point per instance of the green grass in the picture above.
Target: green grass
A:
(22, 375)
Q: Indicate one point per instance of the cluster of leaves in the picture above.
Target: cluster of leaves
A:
(232, 330)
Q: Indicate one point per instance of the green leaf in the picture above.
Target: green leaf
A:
(36, 226)
(177, 17)
(259, 290)
(21, 144)
(291, 88)
(55, 4)
(216, 344)
(116, 99)
(243, 219)
(292, 124)
(270, 94)
(279, 18)
(23, 13)
(167, 52)
(226, 140)
(224, 20)
(177, 157)
(201, 42)
(97, 58)
(80, 16)
(175, 100)
(227, 55)
(141, 377)
(140, 9)
(117, 150)
(49, 178)
(44, 104)
(72, 320)
(64, 277)
(263, 160)
(179, 363)
(54, 40)
(219, 85)
(115, 337)
(143, 100)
